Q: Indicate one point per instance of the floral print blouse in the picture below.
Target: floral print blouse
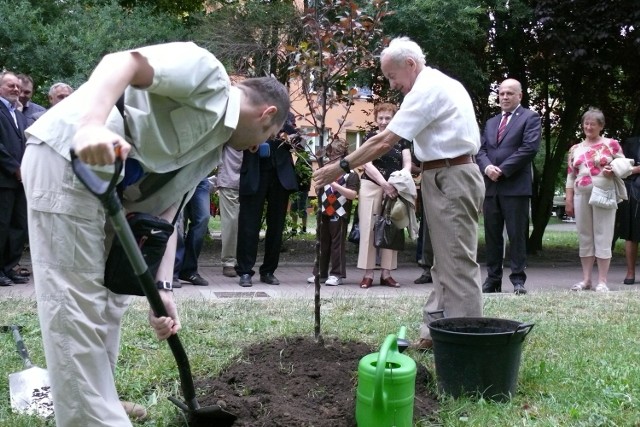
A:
(586, 163)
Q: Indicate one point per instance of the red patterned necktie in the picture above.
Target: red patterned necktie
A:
(503, 125)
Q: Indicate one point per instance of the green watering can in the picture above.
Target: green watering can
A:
(386, 387)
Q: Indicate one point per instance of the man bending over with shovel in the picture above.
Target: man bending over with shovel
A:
(180, 111)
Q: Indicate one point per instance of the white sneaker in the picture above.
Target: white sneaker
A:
(333, 281)
(602, 287)
(312, 279)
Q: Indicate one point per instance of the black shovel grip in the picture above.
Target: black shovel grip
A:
(103, 190)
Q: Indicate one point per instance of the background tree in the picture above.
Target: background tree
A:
(249, 37)
(339, 45)
(63, 41)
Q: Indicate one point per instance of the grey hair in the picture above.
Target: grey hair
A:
(594, 113)
(401, 48)
(57, 85)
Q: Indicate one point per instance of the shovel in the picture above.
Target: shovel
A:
(29, 389)
(212, 415)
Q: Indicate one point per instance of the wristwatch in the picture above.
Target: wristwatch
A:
(344, 165)
(164, 285)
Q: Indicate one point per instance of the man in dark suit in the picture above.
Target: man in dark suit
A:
(13, 204)
(267, 175)
(510, 141)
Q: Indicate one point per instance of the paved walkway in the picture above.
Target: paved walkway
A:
(293, 278)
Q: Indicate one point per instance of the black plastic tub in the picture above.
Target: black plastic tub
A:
(478, 355)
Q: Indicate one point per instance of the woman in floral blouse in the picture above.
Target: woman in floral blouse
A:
(589, 165)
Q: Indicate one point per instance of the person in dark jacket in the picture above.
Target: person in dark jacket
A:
(265, 176)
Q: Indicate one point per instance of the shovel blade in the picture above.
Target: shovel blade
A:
(30, 392)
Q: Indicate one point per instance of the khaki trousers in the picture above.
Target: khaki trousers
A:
(453, 198)
(79, 318)
(229, 211)
(595, 227)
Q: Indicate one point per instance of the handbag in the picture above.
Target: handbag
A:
(151, 234)
(603, 198)
(354, 234)
(385, 234)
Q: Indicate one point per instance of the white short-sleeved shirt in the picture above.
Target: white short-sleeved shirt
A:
(181, 121)
(438, 116)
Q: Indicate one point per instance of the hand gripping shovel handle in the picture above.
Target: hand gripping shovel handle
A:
(105, 192)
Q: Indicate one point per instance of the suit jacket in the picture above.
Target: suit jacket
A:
(12, 144)
(281, 162)
(513, 154)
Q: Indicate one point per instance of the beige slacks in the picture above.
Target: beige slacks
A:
(79, 318)
(453, 198)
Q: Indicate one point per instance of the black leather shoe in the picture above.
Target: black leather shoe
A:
(424, 278)
(4, 280)
(269, 279)
(519, 289)
(17, 278)
(245, 280)
(489, 287)
(629, 281)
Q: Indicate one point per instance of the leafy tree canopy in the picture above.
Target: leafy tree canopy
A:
(63, 41)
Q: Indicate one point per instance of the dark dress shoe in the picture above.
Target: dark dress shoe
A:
(4, 280)
(269, 279)
(629, 281)
(424, 278)
(519, 289)
(489, 287)
(17, 278)
(245, 280)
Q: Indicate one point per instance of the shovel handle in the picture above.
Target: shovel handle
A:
(22, 349)
(103, 190)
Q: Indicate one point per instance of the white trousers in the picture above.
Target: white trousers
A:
(594, 225)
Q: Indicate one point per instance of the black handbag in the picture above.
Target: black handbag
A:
(152, 234)
(385, 234)
(354, 234)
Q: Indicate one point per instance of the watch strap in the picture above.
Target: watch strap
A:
(164, 285)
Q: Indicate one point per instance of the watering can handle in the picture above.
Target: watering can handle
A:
(379, 398)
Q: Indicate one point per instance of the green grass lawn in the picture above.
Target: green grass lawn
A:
(579, 364)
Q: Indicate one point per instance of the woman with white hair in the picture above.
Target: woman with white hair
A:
(589, 166)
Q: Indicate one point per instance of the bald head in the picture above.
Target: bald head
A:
(509, 95)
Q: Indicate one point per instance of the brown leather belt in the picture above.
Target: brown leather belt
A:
(445, 163)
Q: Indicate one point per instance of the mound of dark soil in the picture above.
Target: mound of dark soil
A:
(296, 382)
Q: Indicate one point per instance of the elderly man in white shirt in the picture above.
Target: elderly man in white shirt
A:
(437, 114)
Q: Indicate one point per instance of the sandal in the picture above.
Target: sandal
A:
(581, 286)
(22, 271)
(366, 282)
(602, 287)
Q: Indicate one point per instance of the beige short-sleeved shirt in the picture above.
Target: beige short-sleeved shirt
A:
(181, 121)
(438, 116)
